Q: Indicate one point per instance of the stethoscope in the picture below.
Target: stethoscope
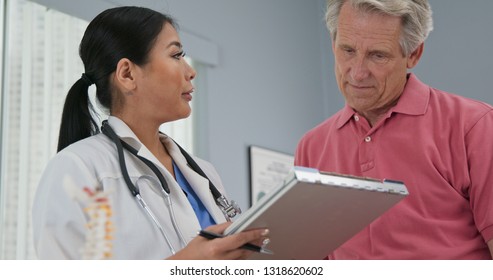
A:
(229, 210)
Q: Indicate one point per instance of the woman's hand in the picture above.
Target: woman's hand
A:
(226, 248)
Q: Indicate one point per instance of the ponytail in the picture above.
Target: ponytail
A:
(77, 121)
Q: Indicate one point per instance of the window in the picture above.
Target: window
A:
(40, 64)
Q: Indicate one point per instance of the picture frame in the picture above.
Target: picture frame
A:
(268, 169)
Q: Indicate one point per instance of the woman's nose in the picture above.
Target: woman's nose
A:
(191, 73)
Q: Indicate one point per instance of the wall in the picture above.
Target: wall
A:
(457, 54)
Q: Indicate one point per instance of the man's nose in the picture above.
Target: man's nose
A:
(359, 69)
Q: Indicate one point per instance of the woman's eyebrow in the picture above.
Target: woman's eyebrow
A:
(175, 43)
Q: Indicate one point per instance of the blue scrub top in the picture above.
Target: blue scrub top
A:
(204, 217)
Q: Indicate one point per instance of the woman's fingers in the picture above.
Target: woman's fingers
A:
(228, 247)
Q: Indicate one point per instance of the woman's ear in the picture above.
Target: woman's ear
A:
(125, 75)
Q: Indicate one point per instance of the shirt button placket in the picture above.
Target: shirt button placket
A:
(366, 154)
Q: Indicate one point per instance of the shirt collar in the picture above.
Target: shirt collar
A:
(124, 132)
(127, 135)
(413, 101)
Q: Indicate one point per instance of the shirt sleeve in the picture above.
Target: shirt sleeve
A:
(59, 221)
(479, 145)
(301, 153)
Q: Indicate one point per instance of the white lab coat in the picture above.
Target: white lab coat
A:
(59, 222)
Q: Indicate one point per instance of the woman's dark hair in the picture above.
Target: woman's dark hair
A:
(122, 32)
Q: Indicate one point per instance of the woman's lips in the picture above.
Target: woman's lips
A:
(187, 95)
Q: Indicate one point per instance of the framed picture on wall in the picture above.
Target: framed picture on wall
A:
(268, 169)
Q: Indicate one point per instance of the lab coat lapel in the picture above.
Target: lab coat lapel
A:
(198, 183)
(187, 219)
(126, 134)
(184, 210)
(201, 187)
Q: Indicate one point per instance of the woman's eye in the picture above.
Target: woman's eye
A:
(179, 55)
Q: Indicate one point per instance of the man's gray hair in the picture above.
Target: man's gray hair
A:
(417, 22)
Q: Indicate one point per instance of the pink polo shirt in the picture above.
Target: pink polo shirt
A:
(441, 146)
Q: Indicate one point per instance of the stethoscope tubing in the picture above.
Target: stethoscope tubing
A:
(173, 219)
(169, 204)
(156, 222)
(229, 210)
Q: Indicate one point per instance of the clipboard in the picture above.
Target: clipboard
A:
(312, 213)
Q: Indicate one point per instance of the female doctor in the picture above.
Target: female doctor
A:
(160, 196)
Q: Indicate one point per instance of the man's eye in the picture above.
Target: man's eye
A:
(379, 56)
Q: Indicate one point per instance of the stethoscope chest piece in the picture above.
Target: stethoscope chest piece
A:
(230, 210)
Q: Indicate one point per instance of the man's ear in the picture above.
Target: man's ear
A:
(125, 75)
(413, 58)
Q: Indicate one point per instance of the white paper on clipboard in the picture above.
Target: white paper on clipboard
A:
(313, 213)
